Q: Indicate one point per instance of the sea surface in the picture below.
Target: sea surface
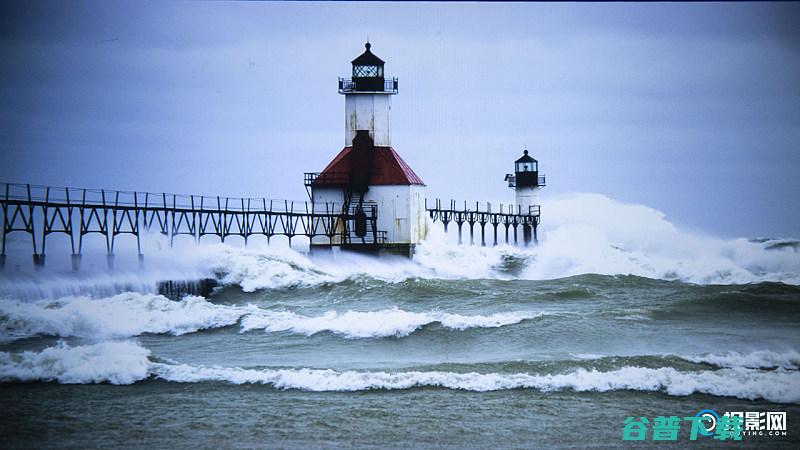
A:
(461, 347)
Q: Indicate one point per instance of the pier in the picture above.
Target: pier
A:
(41, 211)
(76, 212)
(510, 217)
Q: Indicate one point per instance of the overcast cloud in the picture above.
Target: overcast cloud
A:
(693, 109)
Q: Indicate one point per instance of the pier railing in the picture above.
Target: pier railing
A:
(510, 217)
(76, 212)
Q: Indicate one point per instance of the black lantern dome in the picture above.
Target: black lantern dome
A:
(368, 71)
(526, 172)
(526, 164)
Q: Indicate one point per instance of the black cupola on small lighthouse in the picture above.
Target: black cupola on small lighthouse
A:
(526, 171)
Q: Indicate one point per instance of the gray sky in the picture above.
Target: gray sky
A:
(693, 109)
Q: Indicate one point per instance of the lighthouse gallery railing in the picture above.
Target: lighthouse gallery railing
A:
(347, 85)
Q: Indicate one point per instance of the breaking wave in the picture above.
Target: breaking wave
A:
(761, 359)
(123, 315)
(127, 363)
(383, 323)
(591, 233)
(580, 234)
(107, 362)
(777, 386)
(132, 314)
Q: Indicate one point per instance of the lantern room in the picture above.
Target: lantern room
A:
(526, 173)
(368, 71)
(526, 164)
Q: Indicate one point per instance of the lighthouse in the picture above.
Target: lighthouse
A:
(368, 175)
(526, 183)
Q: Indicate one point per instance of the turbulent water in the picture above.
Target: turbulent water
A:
(611, 316)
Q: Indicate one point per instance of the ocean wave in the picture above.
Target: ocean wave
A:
(275, 267)
(757, 359)
(760, 359)
(132, 314)
(593, 234)
(371, 324)
(763, 299)
(106, 362)
(119, 316)
(128, 362)
(47, 285)
(777, 386)
(580, 234)
(284, 268)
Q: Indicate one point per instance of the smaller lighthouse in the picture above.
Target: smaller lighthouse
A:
(526, 183)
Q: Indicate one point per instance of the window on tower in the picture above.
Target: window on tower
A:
(527, 167)
(367, 71)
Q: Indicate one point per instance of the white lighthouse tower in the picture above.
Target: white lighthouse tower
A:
(526, 183)
(368, 173)
(368, 99)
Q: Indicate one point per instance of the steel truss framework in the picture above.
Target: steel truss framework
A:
(75, 212)
(43, 210)
(511, 217)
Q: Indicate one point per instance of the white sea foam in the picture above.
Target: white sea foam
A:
(580, 233)
(131, 314)
(128, 362)
(273, 267)
(591, 233)
(369, 324)
(122, 315)
(280, 267)
(107, 362)
(760, 359)
(45, 285)
(778, 386)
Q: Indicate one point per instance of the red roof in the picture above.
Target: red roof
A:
(387, 168)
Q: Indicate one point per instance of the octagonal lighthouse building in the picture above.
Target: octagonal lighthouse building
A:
(381, 199)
